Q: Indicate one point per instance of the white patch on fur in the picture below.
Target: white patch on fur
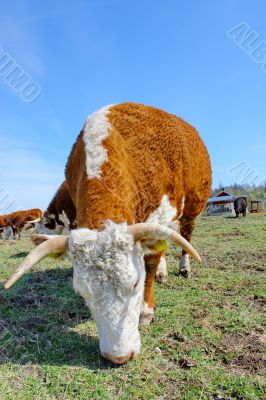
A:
(109, 274)
(184, 263)
(95, 131)
(64, 219)
(175, 225)
(43, 230)
(164, 213)
(182, 207)
(162, 269)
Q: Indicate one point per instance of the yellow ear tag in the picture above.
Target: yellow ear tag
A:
(161, 245)
(56, 256)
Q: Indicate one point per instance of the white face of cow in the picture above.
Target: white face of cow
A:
(109, 274)
(6, 232)
(49, 226)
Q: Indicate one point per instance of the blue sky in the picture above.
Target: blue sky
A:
(170, 54)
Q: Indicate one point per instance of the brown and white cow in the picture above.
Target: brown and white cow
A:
(60, 214)
(132, 171)
(18, 220)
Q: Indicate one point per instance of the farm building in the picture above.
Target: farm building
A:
(223, 203)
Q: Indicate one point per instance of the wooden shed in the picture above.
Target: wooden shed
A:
(223, 203)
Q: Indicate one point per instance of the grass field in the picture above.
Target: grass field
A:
(207, 340)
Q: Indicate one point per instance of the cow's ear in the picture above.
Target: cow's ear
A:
(38, 239)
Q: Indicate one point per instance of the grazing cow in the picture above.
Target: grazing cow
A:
(18, 220)
(132, 170)
(240, 206)
(60, 214)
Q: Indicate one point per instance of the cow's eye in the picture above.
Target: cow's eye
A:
(135, 286)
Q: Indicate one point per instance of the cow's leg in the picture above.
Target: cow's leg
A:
(187, 225)
(162, 273)
(148, 305)
(13, 232)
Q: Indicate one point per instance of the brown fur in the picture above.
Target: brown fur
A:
(151, 264)
(3, 221)
(150, 153)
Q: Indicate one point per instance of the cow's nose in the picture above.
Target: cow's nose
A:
(121, 359)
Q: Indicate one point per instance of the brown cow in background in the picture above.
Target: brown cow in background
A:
(14, 223)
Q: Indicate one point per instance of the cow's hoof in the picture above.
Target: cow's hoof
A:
(146, 319)
(185, 273)
(161, 278)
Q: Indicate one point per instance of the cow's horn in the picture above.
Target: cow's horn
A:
(55, 245)
(29, 223)
(161, 232)
(34, 221)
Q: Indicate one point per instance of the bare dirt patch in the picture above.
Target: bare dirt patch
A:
(244, 352)
(258, 302)
(233, 233)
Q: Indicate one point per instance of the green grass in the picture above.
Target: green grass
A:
(207, 340)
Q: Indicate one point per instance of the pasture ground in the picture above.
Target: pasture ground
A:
(207, 341)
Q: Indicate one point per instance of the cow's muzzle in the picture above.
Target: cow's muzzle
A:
(121, 359)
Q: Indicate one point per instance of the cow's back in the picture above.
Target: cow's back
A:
(149, 153)
(240, 203)
(168, 155)
(31, 214)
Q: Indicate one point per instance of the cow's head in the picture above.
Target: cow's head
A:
(109, 274)
(49, 225)
(7, 231)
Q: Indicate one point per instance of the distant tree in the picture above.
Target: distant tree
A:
(252, 192)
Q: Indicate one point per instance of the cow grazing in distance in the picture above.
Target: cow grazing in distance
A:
(27, 221)
(132, 171)
(60, 214)
(240, 206)
(18, 220)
